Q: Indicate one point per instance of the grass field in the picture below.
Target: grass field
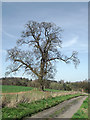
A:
(13, 89)
(83, 111)
(52, 90)
(27, 109)
(10, 88)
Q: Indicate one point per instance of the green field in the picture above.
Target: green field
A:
(52, 90)
(11, 88)
(83, 111)
(27, 109)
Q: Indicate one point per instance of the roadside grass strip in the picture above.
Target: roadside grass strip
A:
(83, 111)
(27, 109)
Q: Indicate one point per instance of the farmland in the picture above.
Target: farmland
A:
(13, 89)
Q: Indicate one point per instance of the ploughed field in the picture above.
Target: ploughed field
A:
(20, 101)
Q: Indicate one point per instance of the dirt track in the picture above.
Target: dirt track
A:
(14, 93)
(65, 109)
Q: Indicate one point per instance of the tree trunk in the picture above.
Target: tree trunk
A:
(41, 81)
(42, 87)
(42, 74)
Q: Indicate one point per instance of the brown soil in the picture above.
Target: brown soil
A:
(15, 93)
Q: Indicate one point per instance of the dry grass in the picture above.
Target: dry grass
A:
(11, 100)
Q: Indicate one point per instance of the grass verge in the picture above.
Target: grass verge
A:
(27, 109)
(83, 111)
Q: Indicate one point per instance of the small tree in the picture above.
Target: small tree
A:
(38, 50)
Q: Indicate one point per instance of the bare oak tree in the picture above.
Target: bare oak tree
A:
(38, 50)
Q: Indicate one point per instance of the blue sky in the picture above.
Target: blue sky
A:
(72, 17)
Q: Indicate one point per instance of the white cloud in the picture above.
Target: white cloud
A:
(71, 42)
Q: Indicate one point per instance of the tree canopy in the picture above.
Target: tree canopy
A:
(37, 51)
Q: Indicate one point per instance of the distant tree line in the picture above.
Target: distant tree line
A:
(50, 84)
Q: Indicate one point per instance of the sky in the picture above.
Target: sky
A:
(72, 17)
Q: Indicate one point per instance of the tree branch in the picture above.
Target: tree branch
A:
(28, 66)
(36, 39)
(60, 58)
(17, 68)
